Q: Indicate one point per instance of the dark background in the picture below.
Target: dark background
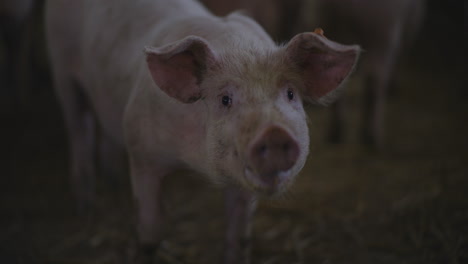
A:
(405, 204)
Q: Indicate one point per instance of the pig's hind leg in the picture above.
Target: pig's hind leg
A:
(81, 128)
(63, 31)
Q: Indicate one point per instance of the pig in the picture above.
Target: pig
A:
(180, 88)
(382, 29)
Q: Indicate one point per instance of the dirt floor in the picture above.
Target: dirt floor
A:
(405, 204)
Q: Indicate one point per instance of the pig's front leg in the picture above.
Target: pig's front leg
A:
(240, 207)
(146, 187)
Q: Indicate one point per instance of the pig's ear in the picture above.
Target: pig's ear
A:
(179, 68)
(323, 65)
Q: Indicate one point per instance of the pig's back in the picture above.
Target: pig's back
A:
(116, 31)
(108, 38)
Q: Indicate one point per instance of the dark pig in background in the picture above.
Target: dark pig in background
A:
(211, 94)
(384, 29)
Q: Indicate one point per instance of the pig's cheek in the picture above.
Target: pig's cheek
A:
(235, 158)
(224, 148)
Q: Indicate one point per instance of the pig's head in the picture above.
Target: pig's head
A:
(256, 128)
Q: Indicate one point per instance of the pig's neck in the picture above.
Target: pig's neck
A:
(190, 135)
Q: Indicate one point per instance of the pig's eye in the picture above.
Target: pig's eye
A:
(290, 95)
(226, 101)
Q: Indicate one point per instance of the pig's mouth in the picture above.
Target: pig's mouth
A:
(270, 183)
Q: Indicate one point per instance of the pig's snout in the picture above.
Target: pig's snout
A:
(272, 154)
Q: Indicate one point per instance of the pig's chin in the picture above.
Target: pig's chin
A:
(268, 185)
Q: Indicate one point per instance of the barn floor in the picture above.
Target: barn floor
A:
(405, 204)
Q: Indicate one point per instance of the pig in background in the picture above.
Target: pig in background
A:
(213, 95)
(384, 29)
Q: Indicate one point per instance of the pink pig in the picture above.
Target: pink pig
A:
(212, 94)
